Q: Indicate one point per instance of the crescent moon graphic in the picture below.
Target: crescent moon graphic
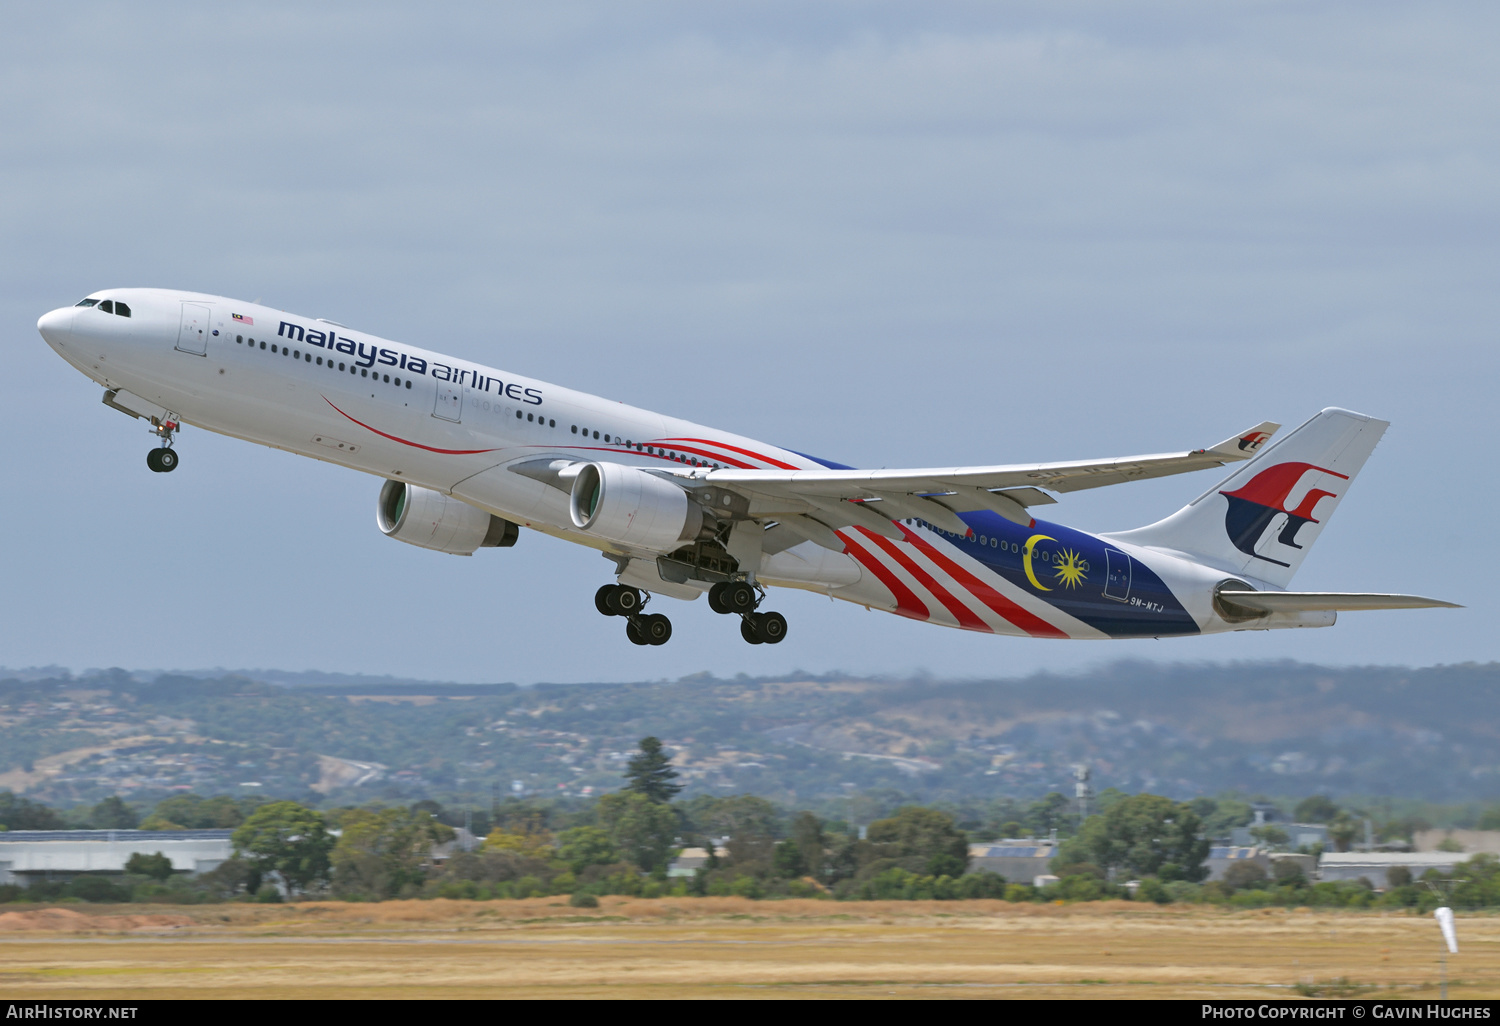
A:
(1026, 560)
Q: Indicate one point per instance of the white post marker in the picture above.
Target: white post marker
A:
(1444, 916)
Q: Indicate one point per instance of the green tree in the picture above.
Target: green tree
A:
(23, 814)
(586, 846)
(787, 862)
(1342, 830)
(1052, 811)
(194, 812)
(643, 830)
(113, 814)
(1317, 809)
(807, 832)
(287, 839)
(925, 834)
(1143, 835)
(157, 867)
(384, 854)
(650, 773)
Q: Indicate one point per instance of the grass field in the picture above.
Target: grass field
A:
(729, 947)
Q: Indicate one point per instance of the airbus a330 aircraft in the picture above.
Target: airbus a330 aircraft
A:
(469, 455)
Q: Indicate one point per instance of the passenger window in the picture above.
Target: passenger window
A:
(518, 414)
(408, 383)
(387, 378)
(529, 417)
(552, 423)
(364, 373)
(240, 339)
(88, 302)
(122, 310)
(107, 306)
(596, 435)
(263, 345)
(575, 429)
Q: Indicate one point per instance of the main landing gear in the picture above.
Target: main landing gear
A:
(640, 628)
(163, 460)
(742, 598)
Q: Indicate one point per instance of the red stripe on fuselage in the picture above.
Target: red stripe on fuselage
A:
(965, 616)
(743, 452)
(1021, 617)
(414, 445)
(907, 603)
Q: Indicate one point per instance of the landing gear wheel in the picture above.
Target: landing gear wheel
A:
(166, 460)
(771, 627)
(634, 631)
(716, 598)
(738, 597)
(151, 461)
(749, 633)
(601, 600)
(617, 600)
(656, 627)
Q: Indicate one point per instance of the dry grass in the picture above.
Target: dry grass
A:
(729, 947)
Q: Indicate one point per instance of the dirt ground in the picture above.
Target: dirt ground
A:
(731, 947)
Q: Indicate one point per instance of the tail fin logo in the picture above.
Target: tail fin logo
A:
(1253, 441)
(1253, 507)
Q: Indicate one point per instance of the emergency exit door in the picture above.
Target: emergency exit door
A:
(449, 404)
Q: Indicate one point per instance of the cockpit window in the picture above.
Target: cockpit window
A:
(88, 302)
(122, 309)
(107, 306)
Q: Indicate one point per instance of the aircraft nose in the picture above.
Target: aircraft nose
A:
(56, 326)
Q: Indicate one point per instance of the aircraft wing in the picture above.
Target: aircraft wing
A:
(873, 498)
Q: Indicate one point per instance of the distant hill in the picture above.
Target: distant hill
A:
(1177, 729)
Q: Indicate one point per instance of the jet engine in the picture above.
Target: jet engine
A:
(432, 520)
(631, 507)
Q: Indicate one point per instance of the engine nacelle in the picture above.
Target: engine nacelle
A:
(631, 507)
(432, 520)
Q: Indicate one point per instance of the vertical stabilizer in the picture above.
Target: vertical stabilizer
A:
(1262, 520)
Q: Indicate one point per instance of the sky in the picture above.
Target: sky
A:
(886, 234)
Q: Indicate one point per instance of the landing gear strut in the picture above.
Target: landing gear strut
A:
(163, 460)
(743, 598)
(640, 628)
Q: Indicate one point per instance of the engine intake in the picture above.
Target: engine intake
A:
(632, 507)
(432, 520)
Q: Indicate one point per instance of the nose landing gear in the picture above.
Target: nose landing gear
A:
(163, 460)
(743, 598)
(640, 628)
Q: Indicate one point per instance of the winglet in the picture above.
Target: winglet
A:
(1247, 443)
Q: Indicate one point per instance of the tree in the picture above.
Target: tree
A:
(1245, 875)
(650, 773)
(787, 861)
(1143, 835)
(157, 867)
(807, 832)
(287, 839)
(1053, 811)
(925, 834)
(384, 854)
(22, 814)
(643, 830)
(113, 814)
(194, 812)
(1317, 809)
(1342, 830)
(586, 846)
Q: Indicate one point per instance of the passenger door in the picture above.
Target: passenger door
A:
(1116, 575)
(192, 337)
(449, 404)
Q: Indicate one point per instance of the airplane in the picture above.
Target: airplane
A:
(469, 455)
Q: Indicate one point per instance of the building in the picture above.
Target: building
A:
(28, 855)
(690, 860)
(1373, 865)
(1470, 841)
(1017, 860)
(1299, 835)
(1221, 858)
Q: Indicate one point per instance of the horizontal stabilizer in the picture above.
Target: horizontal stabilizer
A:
(1311, 601)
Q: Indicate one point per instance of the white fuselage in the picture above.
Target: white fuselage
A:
(413, 415)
